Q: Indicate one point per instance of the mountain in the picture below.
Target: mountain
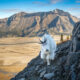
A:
(35, 24)
(65, 66)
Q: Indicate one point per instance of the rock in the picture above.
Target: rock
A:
(37, 67)
(22, 79)
(48, 76)
(73, 74)
(13, 79)
(78, 76)
(42, 74)
(62, 60)
(72, 58)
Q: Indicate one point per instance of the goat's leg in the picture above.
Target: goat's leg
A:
(44, 60)
(48, 60)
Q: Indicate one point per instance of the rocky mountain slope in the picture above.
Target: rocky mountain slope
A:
(66, 65)
(34, 24)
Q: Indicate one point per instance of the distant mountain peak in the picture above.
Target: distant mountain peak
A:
(32, 24)
(61, 12)
(58, 10)
(21, 13)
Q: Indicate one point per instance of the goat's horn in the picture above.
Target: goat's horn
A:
(41, 41)
(45, 40)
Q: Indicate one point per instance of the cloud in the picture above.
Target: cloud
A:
(47, 3)
(9, 10)
(54, 1)
(78, 16)
(74, 11)
(77, 1)
(71, 9)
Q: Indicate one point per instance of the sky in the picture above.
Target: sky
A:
(10, 7)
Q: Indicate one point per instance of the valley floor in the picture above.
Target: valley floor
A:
(15, 53)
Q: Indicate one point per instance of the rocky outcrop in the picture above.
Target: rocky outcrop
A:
(75, 42)
(66, 65)
(34, 24)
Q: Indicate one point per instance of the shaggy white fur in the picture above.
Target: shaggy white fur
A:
(48, 48)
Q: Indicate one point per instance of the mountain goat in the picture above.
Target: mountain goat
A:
(48, 48)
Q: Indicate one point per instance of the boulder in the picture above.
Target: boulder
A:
(48, 76)
(42, 74)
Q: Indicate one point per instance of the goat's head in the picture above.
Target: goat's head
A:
(43, 42)
(44, 46)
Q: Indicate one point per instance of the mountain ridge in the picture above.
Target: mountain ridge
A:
(34, 24)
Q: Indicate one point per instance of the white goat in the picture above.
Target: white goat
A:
(48, 48)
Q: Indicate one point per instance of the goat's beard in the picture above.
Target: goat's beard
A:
(46, 53)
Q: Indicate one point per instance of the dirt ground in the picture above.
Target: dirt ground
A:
(15, 53)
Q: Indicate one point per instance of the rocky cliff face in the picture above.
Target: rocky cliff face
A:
(66, 65)
(34, 24)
